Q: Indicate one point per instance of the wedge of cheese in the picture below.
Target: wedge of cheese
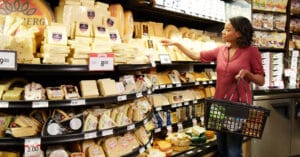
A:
(89, 88)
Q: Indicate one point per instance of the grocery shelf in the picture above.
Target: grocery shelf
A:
(272, 49)
(270, 30)
(100, 101)
(185, 124)
(267, 11)
(5, 141)
(177, 105)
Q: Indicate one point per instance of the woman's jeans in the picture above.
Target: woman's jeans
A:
(229, 145)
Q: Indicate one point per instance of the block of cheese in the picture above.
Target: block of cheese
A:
(96, 151)
(34, 91)
(83, 29)
(124, 145)
(89, 88)
(14, 94)
(70, 91)
(128, 26)
(159, 100)
(55, 93)
(163, 79)
(86, 144)
(77, 154)
(105, 122)
(133, 142)
(100, 32)
(122, 119)
(107, 87)
(142, 135)
(111, 147)
(59, 152)
(9, 154)
(56, 34)
(116, 10)
(90, 123)
(23, 131)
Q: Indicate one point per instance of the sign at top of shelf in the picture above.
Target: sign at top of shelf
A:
(8, 60)
(101, 62)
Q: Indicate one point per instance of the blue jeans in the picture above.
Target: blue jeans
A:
(229, 145)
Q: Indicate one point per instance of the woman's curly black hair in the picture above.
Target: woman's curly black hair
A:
(244, 26)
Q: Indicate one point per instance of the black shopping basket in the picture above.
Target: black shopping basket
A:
(235, 117)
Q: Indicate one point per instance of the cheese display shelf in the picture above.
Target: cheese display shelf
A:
(177, 105)
(272, 49)
(182, 85)
(46, 140)
(141, 149)
(100, 102)
(181, 125)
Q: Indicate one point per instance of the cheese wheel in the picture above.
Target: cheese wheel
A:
(170, 28)
(128, 26)
(116, 10)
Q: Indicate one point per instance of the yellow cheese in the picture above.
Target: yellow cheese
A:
(107, 87)
(83, 29)
(14, 94)
(95, 150)
(142, 135)
(86, 144)
(90, 123)
(111, 147)
(128, 26)
(9, 154)
(56, 34)
(116, 10)
(133, 142)
(88, 88)
(105, 122)
(77, 154)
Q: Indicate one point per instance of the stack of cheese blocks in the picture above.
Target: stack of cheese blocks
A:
(90, 26)
(54, 49)
(14, 35)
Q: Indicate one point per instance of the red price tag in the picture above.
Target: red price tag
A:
(32, 147)
(101, 62)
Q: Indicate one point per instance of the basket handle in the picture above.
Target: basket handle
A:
(237, 91)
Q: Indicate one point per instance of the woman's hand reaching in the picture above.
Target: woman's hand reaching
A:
(166, 42)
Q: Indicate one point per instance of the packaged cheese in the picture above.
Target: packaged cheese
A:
(116, 10)
(95, 150)
(55, 93)
(70, 92)
(107, 87)
(111, 147)
(88, 88)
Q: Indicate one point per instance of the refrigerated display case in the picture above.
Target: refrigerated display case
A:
(281, 137)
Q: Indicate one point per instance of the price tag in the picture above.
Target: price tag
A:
(32, 147)
(149, 91)
(180, 127)
(189, 152)
(179, 105)
(197, 83)
(194, 121)
(122, 98)
(204, 82)
(165, 59)
(148, 145)
(77, 102)
(199, 150)
(186, 103)
(169, 86)
(138, 95)
(195, 101)
(101, 62)
(90, 135)
(107, 132)
(178, 85)
(152, 60)
(4, 104)
(202, 120)
(40, 104)
(162, 86)
(156, 87)
(207, 146)
(145, 121)
(130, 127)
(158, 108)
(141, 150)
(8, 60)
(173, 105)
(210, 82)
(169, 128)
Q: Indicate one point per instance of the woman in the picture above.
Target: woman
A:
(236, 60)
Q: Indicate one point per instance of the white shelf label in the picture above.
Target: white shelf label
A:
(189, 152)
(179, 105)
(101, 62)
(107, 132)
(194, 121)
(158, 108)
(204, 82)
(195, 101)
(77, 102)
(157, 130)
(4, 104)
(32, 147)
(152, 60)
(149, 91)
(173, 105)
(40, 104)
(165, 59)
(210, 82)
(8, 60)
(90, 135)
(130, 127)
(138, 95)
(197, 83)
(122, 98)
(162, 86)
(141, 150)
(169, 86)
(178, 85)
(145, 121)
(180, 127)
(186, 103)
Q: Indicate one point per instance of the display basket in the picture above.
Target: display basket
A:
(235, 117)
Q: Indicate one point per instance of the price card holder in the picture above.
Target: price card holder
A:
(90, 135)
(122, 98)
(139, 94)
(130, 127)
(107, 132)
(4, 104)
(40, 104)
(8, 60)
(152, 61)
(165, 59)
(101, 62)
(32, 147)
(77, 102)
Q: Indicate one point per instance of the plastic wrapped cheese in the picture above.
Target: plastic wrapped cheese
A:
(116, 10)
(128, 26)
